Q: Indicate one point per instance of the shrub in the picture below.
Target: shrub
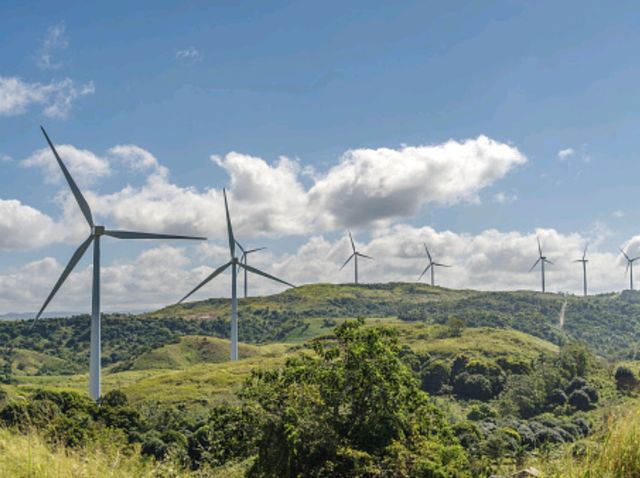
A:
(576, 384)
(557, 397)
(625, 379)
(580, 400)
(435, 375)
(467, 386)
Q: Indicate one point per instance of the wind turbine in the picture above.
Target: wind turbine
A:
(584, 261)
(542, 260)
(629, 267)
(243, 259)
(94, 238)
(234, 263)
(432, 265)
(354, 256)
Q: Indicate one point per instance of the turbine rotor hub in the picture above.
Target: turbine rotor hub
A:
(98, 230)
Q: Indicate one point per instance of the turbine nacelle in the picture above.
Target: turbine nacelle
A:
(98, 231)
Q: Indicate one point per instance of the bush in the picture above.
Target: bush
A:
(435, 375)
(625, 379)
(580, 400)
(474, 387)
(557, 397)
(576, 384)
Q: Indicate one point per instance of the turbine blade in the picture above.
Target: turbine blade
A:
(147, 235)
(534, 264)
(240, 246)
(441, 265)
(626, 270)
(548, 261)
(75, 258)
(82, 202)
(353, 245)
(364, 255)
(264, 274)
(584, 253)
(255, 250)
(624, 254)
(215, 273)
(424, 271)
(428, 254)
(347, 261)
(232, 242)
(539, 246)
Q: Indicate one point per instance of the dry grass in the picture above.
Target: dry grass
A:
(29, 456)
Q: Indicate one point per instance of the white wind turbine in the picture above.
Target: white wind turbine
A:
(629, 267)
(542, 260)
(234, 263)
(243, 259)
(432, 265)
(584, 261)
(94, 238)
(354, 256)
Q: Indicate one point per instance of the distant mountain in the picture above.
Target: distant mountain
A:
(31, 315)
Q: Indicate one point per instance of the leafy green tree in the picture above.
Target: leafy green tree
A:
(625, 379)
(352, 409)
(435, 375)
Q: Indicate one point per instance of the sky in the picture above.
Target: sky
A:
(473, 127)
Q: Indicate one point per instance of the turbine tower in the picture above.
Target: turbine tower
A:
(542, 260)
(94, 238)
(584, 261)
(432, 265)
(629, 267)
(354, 256)
(234, 263)
(243, 259)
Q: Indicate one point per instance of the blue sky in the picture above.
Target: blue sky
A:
(312, 80)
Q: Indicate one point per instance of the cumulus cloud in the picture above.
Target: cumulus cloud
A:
(489, 260)
(84, 166)
(56, 98)
(376, 184)
(5, 158)
(54, 42)
(566, 153)
(365, 187)
(23, 227)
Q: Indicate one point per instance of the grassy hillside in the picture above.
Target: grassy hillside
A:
(192, 350)
(609, 323)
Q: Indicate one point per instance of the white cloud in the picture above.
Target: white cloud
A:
(5, 158)
(23, 227)
(366, 187)
(54, 42)
(489, 260)
(504, 198)
(618, 214)
(56, 98)
(566, 153)
(190, 54)
(370, 185)
(84, 166)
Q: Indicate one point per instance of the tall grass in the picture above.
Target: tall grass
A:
(29, 456)
(613, 454)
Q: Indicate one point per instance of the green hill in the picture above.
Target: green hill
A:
(192, 350)
(609, 323)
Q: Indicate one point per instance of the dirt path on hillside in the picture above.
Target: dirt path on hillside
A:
(561, 316)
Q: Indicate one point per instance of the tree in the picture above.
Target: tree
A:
(625, 379)
(436, 374)
(580, 400)
(352, 409)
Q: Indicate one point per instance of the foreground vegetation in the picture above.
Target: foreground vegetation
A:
(428, 382)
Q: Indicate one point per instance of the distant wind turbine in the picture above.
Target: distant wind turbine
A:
(234, 263)
(243, 259)
(584, 261)
(432, 265)
(94, 238)
(542, 260)
(354, 256)
(629, 267)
